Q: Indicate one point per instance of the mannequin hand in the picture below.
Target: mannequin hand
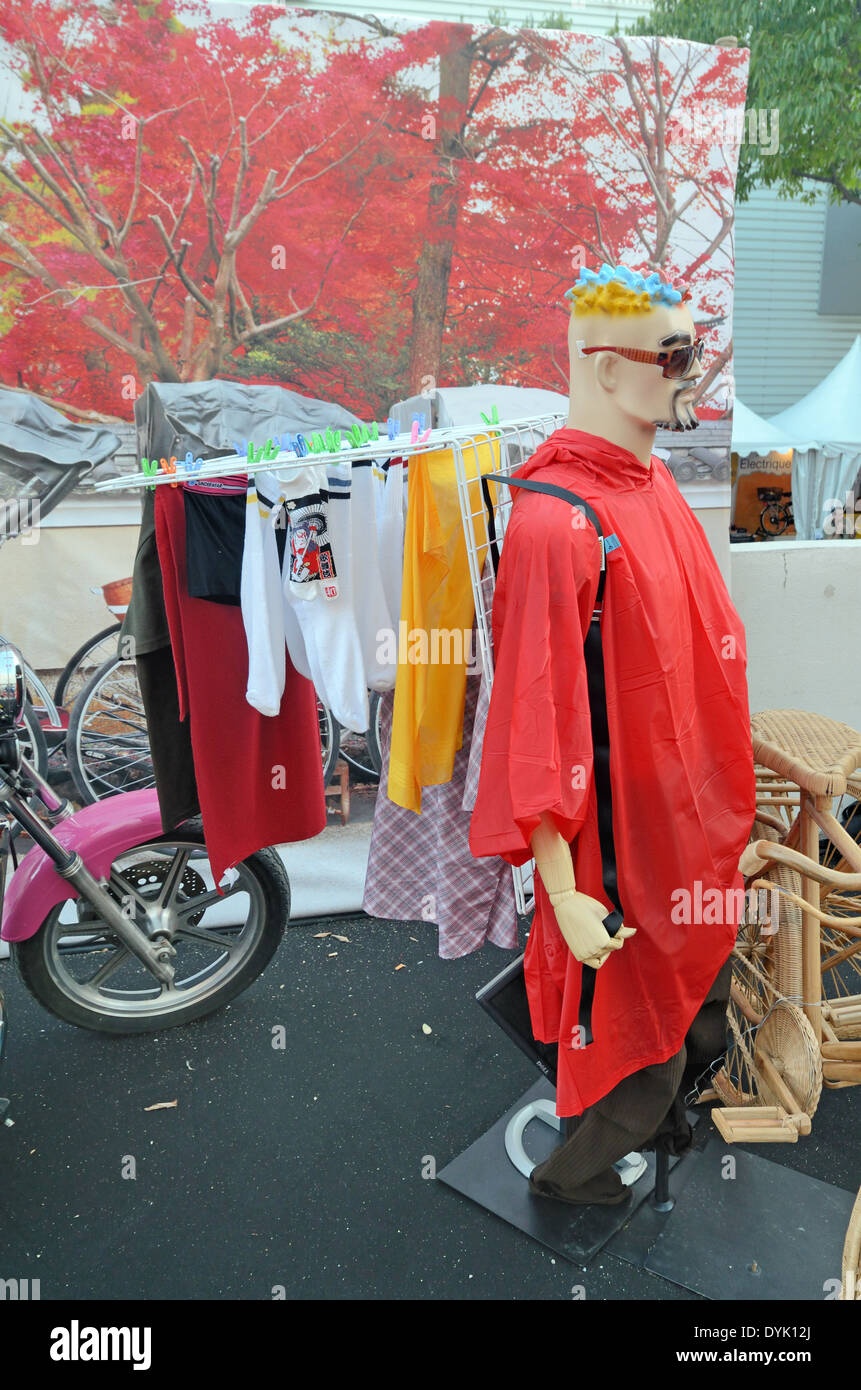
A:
(580, 920)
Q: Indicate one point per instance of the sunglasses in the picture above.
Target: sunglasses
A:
(674, 362)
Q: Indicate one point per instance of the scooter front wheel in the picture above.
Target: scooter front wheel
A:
(79, 970)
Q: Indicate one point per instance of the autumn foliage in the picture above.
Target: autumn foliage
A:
(352, 211)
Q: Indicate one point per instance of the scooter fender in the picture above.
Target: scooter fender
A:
(98, 833)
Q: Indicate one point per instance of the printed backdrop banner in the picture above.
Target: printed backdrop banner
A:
(358, 209)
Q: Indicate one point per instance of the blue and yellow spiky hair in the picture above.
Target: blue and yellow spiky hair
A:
(616, 289)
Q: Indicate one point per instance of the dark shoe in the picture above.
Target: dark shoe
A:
(605, 1190)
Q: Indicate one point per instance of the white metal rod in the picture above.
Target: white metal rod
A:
(286, 459)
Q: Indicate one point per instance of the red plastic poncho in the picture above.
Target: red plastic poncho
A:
(681, 757)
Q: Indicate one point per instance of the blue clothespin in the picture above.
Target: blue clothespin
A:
(392, 427)
(300, 446)
(421, 420)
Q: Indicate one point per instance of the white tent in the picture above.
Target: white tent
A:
(753, 435)
(830, 414)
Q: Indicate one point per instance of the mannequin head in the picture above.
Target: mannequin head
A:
(613, 396)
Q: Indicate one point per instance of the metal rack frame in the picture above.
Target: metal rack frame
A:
(518, 440)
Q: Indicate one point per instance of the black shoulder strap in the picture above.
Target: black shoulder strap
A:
(593, 652)
(552, 491)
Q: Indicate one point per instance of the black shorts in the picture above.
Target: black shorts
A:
(214, 538)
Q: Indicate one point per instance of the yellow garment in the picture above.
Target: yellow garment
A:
(437, 611)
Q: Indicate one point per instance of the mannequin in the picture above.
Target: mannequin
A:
(681, 763)
(623, 401)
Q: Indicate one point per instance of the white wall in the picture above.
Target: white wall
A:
(782, 345)
(800, 602)
(715, 523)
(46, 607)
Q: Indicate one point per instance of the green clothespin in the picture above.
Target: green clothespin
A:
(149, 467)
(492, 419)
(271, 450)
(361, 434)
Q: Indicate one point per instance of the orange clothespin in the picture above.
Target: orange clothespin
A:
(169, 467)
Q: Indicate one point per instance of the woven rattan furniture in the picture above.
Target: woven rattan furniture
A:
(851, 1291)
(795, 1009)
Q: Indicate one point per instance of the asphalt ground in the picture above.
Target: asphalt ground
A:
(296, 1168)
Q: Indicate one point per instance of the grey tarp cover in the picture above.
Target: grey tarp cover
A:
(37, 441)
(208, 418)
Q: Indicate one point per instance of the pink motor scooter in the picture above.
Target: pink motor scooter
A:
(114, 925)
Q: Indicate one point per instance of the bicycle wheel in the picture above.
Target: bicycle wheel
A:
(32, 741)
(773, 520)
(107, 745)
(363, 751)
(330, 740)
(375, 747)
(87, 659)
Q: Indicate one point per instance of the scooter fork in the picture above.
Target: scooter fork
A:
(150, 946)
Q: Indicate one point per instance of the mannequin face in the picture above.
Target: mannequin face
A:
(637, 391)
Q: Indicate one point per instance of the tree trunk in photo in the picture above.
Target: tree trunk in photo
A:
(434, 266)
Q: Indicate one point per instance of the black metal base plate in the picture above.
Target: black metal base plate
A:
(766, 1233)
(485, 1174)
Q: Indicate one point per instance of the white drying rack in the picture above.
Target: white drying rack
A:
(518, 440)
(456, 437)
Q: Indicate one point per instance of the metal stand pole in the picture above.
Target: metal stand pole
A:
(660, 1198)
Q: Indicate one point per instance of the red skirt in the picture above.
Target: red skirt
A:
(259, 778)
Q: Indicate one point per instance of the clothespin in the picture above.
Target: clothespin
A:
(363, 434)
(271, 449)
(169, 466)
(241, 448)
(420, 419)
(392, 427)
(415, 435)
(255, 452)
(300, 446)
(191, 464)
(492, 419)
(149, 467)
